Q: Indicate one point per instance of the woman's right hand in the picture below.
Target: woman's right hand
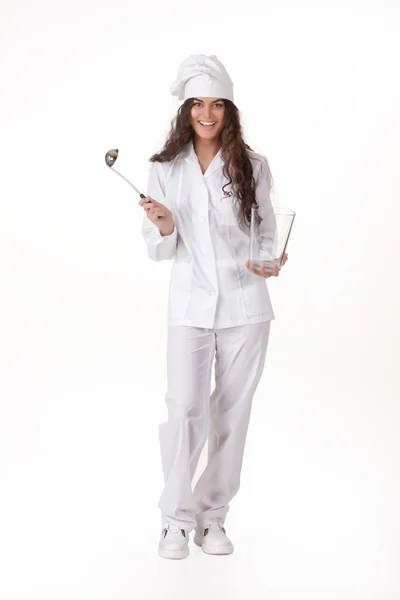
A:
(158, 214)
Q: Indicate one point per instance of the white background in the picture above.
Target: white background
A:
(83, 309)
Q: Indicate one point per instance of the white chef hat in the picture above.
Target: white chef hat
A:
(202, 76)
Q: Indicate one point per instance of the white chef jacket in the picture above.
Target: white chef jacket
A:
(210, 285)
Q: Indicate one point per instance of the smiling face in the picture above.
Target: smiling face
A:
(207, 110)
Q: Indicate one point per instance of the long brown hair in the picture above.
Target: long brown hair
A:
(237, 165)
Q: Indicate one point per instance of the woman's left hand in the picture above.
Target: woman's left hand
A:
(262, 272)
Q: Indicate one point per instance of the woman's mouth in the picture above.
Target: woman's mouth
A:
(207, 124)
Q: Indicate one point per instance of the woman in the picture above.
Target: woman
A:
(197, 211)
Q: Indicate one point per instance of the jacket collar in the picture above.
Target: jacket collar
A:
(189, 155)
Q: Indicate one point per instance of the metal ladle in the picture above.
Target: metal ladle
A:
(110, 158)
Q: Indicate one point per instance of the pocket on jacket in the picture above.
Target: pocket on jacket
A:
(257, 301)
(181, 276)
(255, 295)
(227, 213)
(177, 304)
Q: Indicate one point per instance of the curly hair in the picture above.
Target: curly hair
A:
(237, 165)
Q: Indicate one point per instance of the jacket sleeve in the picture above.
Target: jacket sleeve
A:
(158, 247)
(267, 230)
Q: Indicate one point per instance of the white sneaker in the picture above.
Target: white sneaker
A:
(173, 542)
(213, 539)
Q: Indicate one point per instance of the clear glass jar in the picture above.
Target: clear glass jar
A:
(270, 229)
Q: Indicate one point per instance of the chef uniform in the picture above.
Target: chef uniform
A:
(216, 306)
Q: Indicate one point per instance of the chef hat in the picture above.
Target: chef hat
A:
(202, 76)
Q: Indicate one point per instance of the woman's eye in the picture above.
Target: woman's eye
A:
(218, 104)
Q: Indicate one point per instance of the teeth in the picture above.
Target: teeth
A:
(207, 123)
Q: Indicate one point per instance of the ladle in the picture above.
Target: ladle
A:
(111, 158)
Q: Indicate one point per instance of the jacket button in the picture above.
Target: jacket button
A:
(202, 219)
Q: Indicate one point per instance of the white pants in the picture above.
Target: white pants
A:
(194, 415)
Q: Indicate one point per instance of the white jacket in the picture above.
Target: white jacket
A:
(210, 285)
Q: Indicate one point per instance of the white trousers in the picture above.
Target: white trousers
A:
(194, 416)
